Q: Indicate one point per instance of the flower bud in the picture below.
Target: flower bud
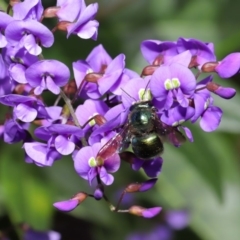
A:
(149, 70)
(50, 12)
(98, 194)
(209, 67)
(141, 187)
(72, 203)
(223, 92)
(93, 77)
(144, 212)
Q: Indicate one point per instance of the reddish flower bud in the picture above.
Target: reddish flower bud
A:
(50, 12)
(209, 67)
(93, 77)
(144, 212)
(141, 187)
(223, 92)
(63, 25)
(149, 70)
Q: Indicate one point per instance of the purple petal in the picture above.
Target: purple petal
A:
(81, 159)
(25, 112)
(69, 10)
(67, 205)
(137, 163)
(17, 72)
(41, 154)
(37, 73)
(63, 145)
(177, 115)
(112, 164)
(188, 133)
(14, 32)
(151, 212)
(145, 186)
(105, 177)
(87, 15)
(29, 9)
(151, 49)
(31, 45)
(211, 119)
(224, 92)
(229, 65)
(185, 76)
(98, 58)
(153, 167)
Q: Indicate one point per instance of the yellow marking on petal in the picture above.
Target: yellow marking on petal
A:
(171, 84)
(145, 94)
(92, 162)
(92, 122)
(176, 83)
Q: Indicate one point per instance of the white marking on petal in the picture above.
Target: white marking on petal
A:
(89, 71)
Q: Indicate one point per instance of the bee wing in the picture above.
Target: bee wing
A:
(169, 133)
(114, 144)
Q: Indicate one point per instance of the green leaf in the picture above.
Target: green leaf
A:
(27, 192)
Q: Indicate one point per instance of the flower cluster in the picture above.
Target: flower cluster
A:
(107, 107)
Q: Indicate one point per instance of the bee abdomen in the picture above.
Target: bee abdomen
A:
(147, 146)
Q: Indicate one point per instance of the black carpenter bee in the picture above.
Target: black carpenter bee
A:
(144, 131)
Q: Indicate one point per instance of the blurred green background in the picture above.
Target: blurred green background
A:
(202, 177)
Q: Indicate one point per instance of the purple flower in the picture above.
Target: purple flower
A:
(69, 9)
(29, 34)
(85, 27)
(151, 167)
(5, 20)
(14, 132)
(173, 82)
(40, 154)
(177, 115)
(61, 136)
(201, 52)
(229, 66)
(96, 62)
(47, 74)
(26, 108)
(157, 52)
(88, 167)
(113, 78)
(28, 10)
(203, 104)
(89, 109)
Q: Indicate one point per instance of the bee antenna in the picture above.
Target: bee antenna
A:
(145, 90)
(129, 95)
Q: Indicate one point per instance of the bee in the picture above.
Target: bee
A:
(144, 131)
